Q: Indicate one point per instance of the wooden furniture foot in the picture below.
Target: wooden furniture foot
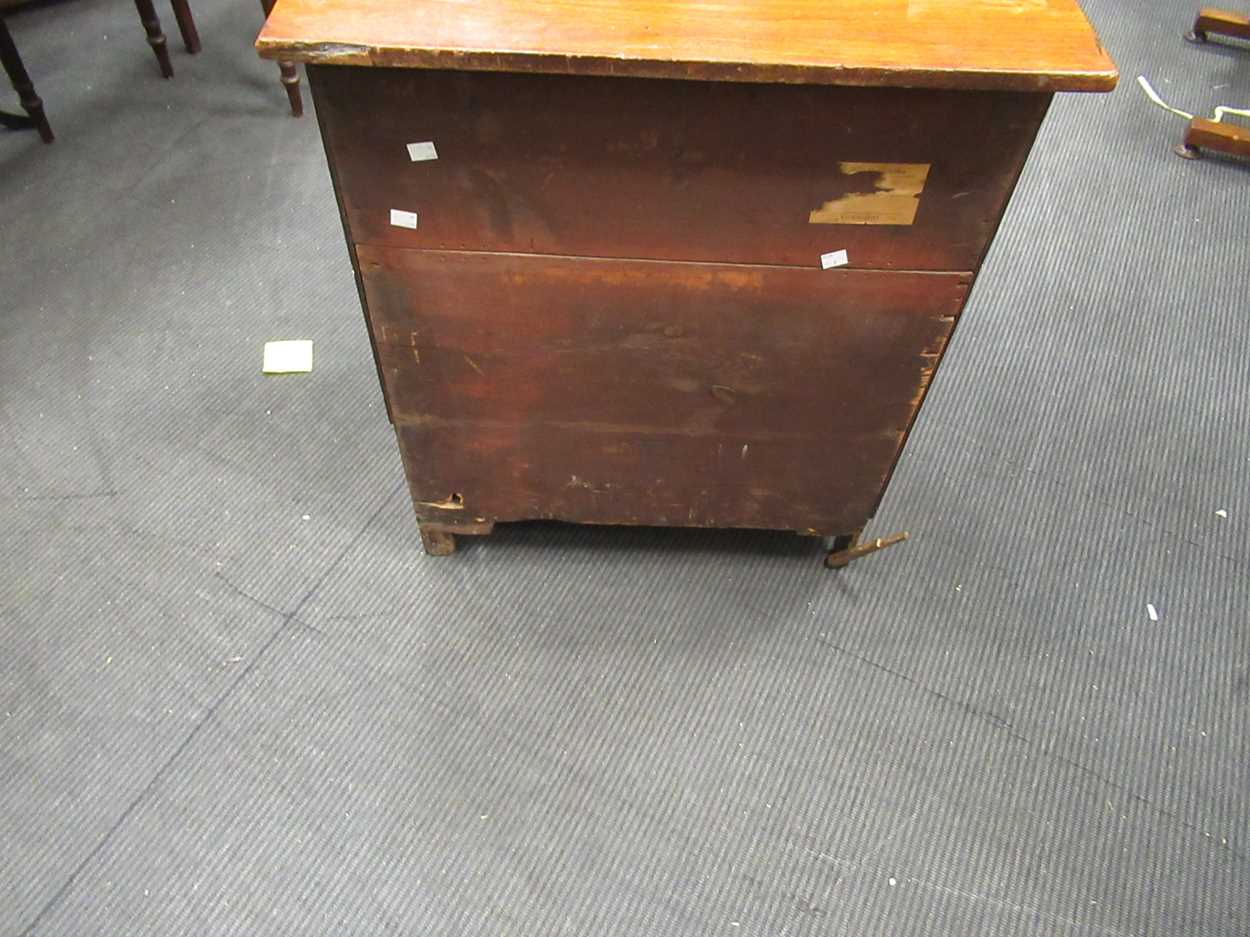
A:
(186, 25)
(439, 539)
(25, 89)
(1220, 22)
(1206, 134)
(289, 73)
(156, 38)
(437, 542)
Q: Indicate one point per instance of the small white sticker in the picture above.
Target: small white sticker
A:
(833, 259)
(419, 152)
(404, 219)
(1152, 612)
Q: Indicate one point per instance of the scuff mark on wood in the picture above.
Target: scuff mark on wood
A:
(453, 502)
(575, 482)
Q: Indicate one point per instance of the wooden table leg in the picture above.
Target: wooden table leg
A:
(186, 25)
(24, 87)
(288, 72)
(289, 76)
(1220, 22)
(156, 38)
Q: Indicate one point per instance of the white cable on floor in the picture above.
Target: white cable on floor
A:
(1154, 97)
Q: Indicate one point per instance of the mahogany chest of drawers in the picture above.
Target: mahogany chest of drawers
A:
(670, 263)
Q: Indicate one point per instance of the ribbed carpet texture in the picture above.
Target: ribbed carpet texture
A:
(236, 698)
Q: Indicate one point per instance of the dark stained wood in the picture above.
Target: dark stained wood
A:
(614, 391)
(156, 38)
(288, 74)
(604, 302)
(25, 88)
(1222, 23)
(675, 170)
(506, 471)
(1223, 138)
(186, 25)
(1025, 45)
(671, 347)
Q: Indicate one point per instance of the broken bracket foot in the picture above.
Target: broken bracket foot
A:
(840, 558)
(439, 539)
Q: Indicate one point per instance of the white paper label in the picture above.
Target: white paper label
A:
(408, 219)
(833, 259)
(289, 357)
(418, 152)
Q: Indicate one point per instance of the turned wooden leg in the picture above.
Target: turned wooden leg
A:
(186, 25)
(288, 73)
(24, 87)
(156, 38)
(289, 76)
(1220, 22)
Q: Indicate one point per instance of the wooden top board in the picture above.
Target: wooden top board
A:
(1021, 45)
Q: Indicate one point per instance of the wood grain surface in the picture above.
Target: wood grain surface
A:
(590, 475)
(614, 391)
(1027, 45)
(675, 170)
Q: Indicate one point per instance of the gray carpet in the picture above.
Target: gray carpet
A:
(235, 698)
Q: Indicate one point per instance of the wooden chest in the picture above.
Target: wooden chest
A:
(670, 263)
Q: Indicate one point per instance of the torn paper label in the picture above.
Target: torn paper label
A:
(291, 357)
(404, 219)
(874, 193)
(419, 152)
(833, 259)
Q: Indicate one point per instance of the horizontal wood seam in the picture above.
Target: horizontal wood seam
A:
(379, 245)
